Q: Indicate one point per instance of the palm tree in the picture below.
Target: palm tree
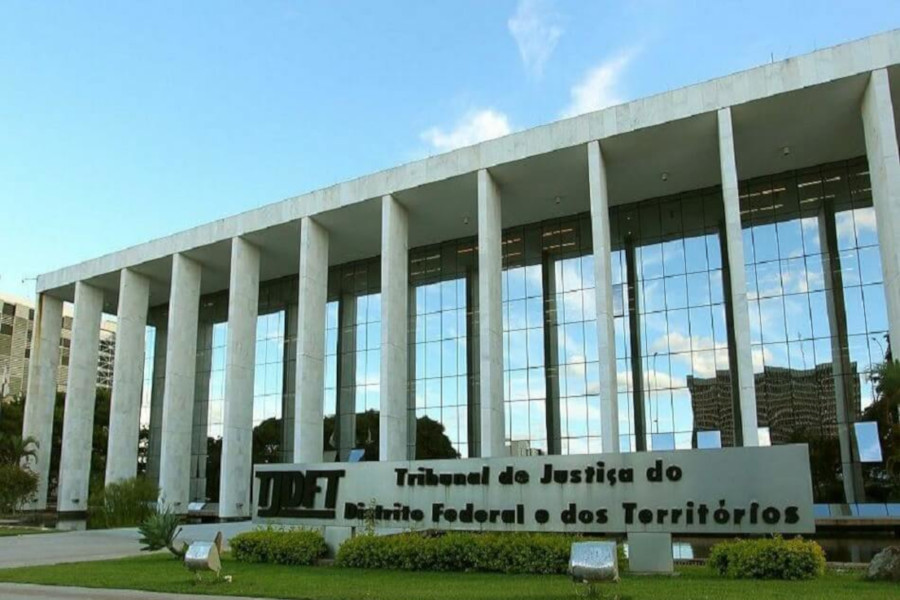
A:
(16, 450)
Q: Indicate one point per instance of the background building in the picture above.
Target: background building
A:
(16, 330)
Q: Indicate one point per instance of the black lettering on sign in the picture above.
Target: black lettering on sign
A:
(293, 494)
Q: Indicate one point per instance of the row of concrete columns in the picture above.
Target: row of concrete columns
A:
(181, 345)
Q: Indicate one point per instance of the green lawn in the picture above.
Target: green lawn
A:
(10, 531)
(159, 572)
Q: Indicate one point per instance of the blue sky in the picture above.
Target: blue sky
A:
(122, 123)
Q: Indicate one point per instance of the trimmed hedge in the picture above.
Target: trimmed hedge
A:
(770, 558)
(279, 546)
(541, 553)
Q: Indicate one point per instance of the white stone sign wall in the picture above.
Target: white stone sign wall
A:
(725, 491)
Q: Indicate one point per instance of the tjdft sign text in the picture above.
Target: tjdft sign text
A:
(731, 490)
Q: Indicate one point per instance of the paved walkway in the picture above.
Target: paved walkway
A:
(95, 544)
(27, 591)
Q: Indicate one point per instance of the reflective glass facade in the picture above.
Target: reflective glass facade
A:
(816, 306)
(441, 374)
(672, 340)
(551, 373)
(147, 389)
(146, 396)
(355, 296)
(817, 311)
(268, 380)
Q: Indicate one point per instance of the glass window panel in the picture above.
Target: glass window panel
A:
(771, 312)
(676, 292)
(765, 243)
(870, 265)
(846, 236)
(755, 329)
(534, 312)
(589, 302)
(573, 307)
(516, 283)
(815, 273)
(716, 288)
(534, 283)
(790, 239)
(868, 443)
(793, 275)
(662, 441)
(516, 314)
(587, 271)
(713, 251)
(856, 314)
(448, 295)
(650, 261)
(673, 257)
(698, 289)
(571, 271)
(797, 316)
(858, 349)
(849, 262)
(695, 254)
(653, 298)
(876, 311)
(810, 230)
(768, 279)
(818, 306)
(701, 328)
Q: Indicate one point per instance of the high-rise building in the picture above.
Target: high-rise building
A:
(16, 331)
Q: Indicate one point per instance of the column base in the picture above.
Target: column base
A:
(71, 520)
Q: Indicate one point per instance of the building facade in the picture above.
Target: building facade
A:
(713, 266)
(16, 331)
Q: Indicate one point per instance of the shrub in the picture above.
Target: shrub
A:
(279, 546)
(159, 531)
(770, 558)
(541, 553)
(123, 504)
(17, 486)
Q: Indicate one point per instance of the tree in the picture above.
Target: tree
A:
(432, 440)
(267, 442)
(431, 437)
(14, 449)
(883, 479)
(12, 421)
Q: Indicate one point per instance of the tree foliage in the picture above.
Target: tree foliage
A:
(883, 479)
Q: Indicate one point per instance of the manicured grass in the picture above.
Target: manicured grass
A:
(159, 572)
(10, 531)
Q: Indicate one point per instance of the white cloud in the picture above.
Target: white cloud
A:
(600, 87)
(536, 29)
(475, 126)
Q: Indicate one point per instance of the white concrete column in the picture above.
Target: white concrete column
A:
(240, 363)
(490, 323)
(81, 396)
(606, 334)
(178, 391)
(41, 394)
(393, 421)
(309, 397)
(735, 245)
(128, 376)
(884, 173)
